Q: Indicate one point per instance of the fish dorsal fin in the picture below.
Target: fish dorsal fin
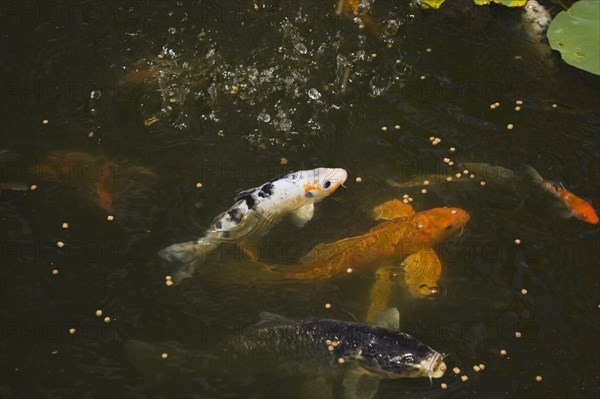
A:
(243, 194)
(272, 319)
(422, 270)
(389, 319)
(303, 214)
(359, 385)
(322, 252)
(393, 209)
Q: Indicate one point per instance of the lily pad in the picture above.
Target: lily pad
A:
(576, 34)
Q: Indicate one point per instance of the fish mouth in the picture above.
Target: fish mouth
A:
(435, 366)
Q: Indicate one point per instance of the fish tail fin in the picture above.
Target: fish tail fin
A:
(532, 175)
(187, 252)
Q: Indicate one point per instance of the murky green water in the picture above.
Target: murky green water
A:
(236, 90)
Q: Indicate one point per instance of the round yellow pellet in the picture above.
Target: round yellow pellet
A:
(99, 312)
(327, 306)
(110, 218)
(72, 331)
(164, 355)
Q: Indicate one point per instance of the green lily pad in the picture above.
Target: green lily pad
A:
(576, 34)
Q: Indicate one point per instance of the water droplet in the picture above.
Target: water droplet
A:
(264, 117)
(95, 94)
(314, 94)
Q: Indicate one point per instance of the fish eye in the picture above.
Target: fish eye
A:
(326, 184)
(448, 227)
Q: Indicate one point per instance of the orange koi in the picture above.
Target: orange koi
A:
(388, 242)
(577, 206)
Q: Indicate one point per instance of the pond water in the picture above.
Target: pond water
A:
(120, 108)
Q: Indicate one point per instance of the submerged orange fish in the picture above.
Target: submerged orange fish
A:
(577, 206)
(406, 233)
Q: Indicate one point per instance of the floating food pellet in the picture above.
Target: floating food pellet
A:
(446, 160)
(221, 133)
(482, 366)
(422, 77)
(449, 178)
(451, 163)
(33, 187)
(405, 200)
(169, 283)
(443, 385)
(198, 185)
(426, 182)
(327, 306)
(524, 291)
(99, 312)
(510, 126)
(428, 50)
(358, 179)
(458, 175)
(283, 161)
(452, 149)
(91, 134)
(164, 355)
(168, 278)
(519, 102)
(349, 270)
(518, 334)
(464, 378)
(330, 348)
(110, 218)
(482, 183)
(45, 121)
(453, 212)
(374, 55)
(456, 370)
(335, 343)
(517, 241)
(72, 331)
(405, 196)
(172, 100)
(424, 191)
(398, 62)
(431, 138)
(477, 368)
(466, 171)
(538, 378)
(384, 128)
(328, 341)
(517, 108)
(234, 89)
(492, 106)
(503, 352)
(497, 104)
(107, 319)
(65, 225)
(397, 127)
(554, 105)
(362, 26)
(60, 244)
(55, 271)
(341, 360)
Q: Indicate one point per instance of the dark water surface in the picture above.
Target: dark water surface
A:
(231, 94)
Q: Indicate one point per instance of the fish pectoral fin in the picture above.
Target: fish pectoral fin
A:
(317, 387)
(388, 318)
(422, 270)
(303, 215)
(251, 250)
(393, 209)
(359, 385)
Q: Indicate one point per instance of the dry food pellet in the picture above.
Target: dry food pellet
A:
(374, 55)
(397, 127)
(384, 128)
(482, 183)
(519, 102)
(451, 163)
(446, 160)
(554, 105)
(283, 161)
(72, 331)
(358, 179)
(327, 306)
(164, 355)
(456, 370)
(330, 348)
(476, 368)
(458, 175)
(328, 341)
(449, 178)
(107, 319)
(349, 270)
(341, 360)
(524, 291)
(45, 121)
(60, 244)
(518, 334)
(55, 271)
(65, 225)
(443, 385)
(538, 378)
(452, 149)
(33, 187)
(168, 278)
(517, 241)
(482, 366)
(424, 191)
(110, 218)
(169, 283)
(517, 108)
(431, 138)
(91, 134)
(510, 126)
(503, 352)
(422, 77)
(492, 106)
(198, 185)
(428, 50)
(426, 182)
(405, 196)
(464, 378)
(99, 312)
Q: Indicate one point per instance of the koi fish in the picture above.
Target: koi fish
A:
(577, 206)
(405, 233)
(364, 354)
(257, 210)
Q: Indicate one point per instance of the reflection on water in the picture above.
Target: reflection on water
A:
(142, 101)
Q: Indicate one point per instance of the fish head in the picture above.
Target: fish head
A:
(316, 184)
(393, 354)
(585, 213)
(435, 225)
